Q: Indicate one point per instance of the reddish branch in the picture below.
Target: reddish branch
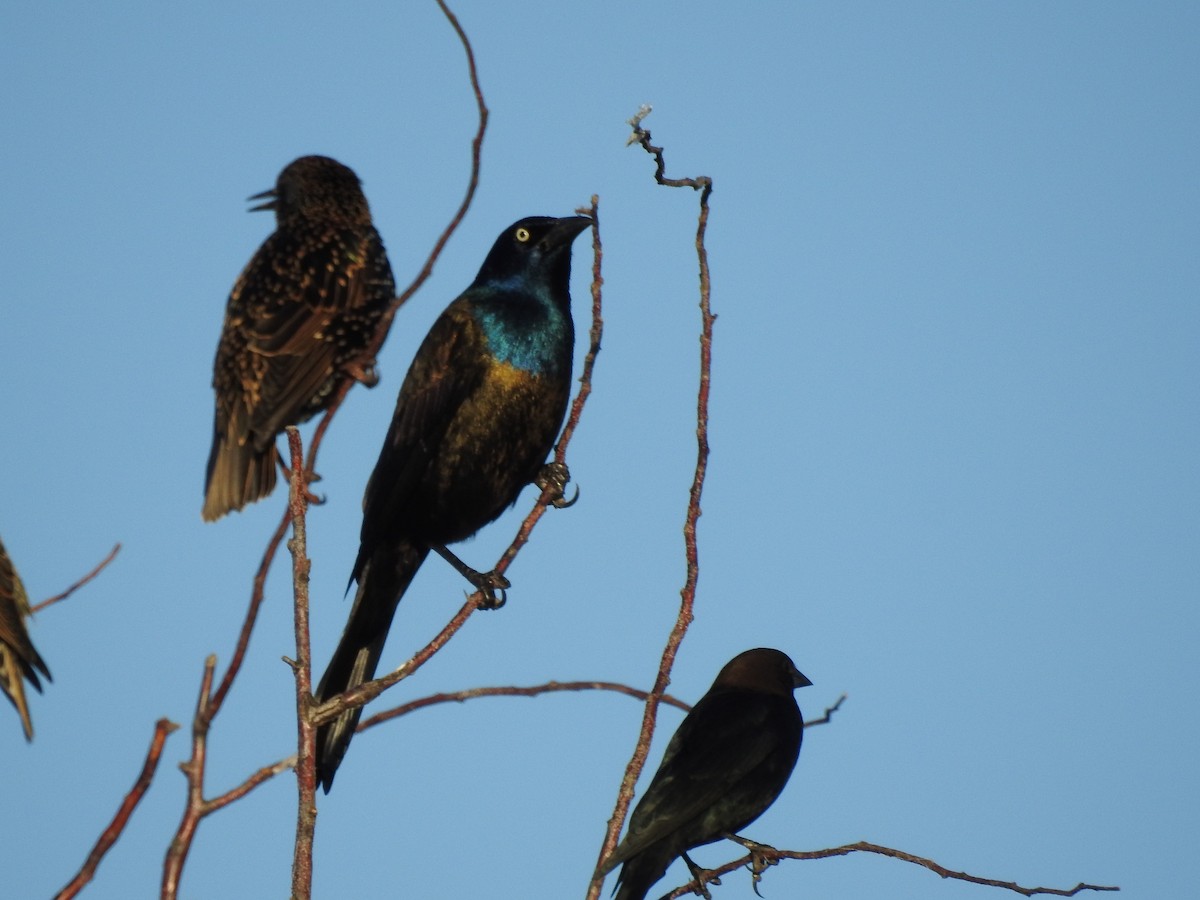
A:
(306, 769)
(691, 553)
(112, 554)
(769, 856)
(110, 834)
(193, 770)
(550, 687)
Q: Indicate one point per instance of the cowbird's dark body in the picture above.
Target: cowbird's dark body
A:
(727, 762)
(474, 422)
(18, 659)
(297, 323)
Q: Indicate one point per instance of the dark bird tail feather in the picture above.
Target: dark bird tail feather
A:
(641, 872)
(382, 581)
(238, 474)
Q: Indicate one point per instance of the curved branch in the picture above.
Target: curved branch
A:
(110, 834)
(548, 687)
(112, 554)
(768, 856)
(691, 551)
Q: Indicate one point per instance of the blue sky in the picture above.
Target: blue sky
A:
(954, 431)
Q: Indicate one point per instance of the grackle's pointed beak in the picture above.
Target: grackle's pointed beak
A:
(567, 229)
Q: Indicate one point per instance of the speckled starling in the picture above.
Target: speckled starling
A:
(476, 418)
(18, 659)
(727, 762)
(297, 323)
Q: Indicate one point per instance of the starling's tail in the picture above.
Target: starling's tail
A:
(19, 660)
(381, 584)
(238, 473)
(13, 685)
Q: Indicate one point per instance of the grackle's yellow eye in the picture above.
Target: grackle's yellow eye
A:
(523, 235)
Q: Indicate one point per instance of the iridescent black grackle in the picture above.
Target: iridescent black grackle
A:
(18, 658)
(476, 418)
(298, 322)
(727, 762)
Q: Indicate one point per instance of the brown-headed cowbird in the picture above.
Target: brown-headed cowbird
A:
(727, 762)
(297, 324)
(18, 659)
(476, 417)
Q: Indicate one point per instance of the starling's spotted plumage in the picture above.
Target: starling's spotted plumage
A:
(475, 420)
(18, 659)
(298, 320)
(727, 762)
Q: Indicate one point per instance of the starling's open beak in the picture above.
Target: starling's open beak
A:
(268, 205)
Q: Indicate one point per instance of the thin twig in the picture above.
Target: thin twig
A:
(549, 687)
(112, 554)
(263, 775)
(595, 333)
(193, 770)
(771, 855)
(306, 769)
(110, 834)
(691, 553)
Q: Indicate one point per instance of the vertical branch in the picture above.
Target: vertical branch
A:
(306, 771)
(691, 551)
(193, 770)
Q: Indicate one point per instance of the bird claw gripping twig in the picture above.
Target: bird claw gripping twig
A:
(554, 477)
(701, 876)
(486, 585)
(759, 859)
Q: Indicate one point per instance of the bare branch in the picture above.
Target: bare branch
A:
(549, 687)
(691, 552)
(306, 769)
(263, 775)
(193, 770)
(110, 834)
(112, 554)
(770, 856)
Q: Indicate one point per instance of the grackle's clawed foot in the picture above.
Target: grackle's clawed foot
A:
(759, 861)
(553, 477)
(702, 877)
(491, 587)
(485, 583)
